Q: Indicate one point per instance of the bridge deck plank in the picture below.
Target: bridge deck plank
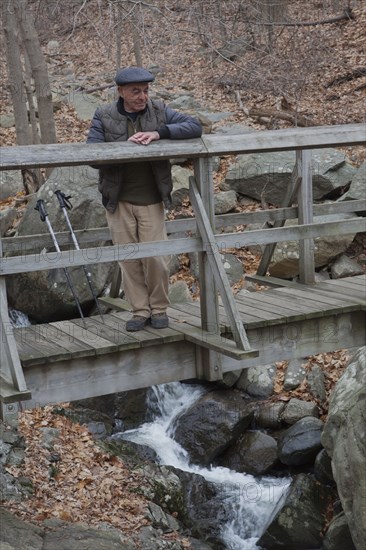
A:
(44, 343)
(109, 331)
(86, 334)
(194, 309)
(52, 333)
(355, 290)
(326, 301)
(146, 337)
(267, 304)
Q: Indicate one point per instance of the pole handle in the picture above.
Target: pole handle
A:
(63, 199)
(41, 209)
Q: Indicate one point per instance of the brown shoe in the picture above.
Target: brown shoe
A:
(159, 320)
(137, 323)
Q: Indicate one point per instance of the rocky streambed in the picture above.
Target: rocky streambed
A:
(220, 469)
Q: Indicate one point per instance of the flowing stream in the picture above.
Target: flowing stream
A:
(17, 318)
(251, 501)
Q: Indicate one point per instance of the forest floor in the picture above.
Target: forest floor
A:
(313, 72)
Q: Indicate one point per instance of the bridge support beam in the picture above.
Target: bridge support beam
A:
(83, 377)
(303, 338)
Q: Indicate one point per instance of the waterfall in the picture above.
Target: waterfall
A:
(251, 501)
(18, 318)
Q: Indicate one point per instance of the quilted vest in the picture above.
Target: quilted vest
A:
(116, 129)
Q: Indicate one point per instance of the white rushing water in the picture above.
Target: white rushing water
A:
(251, 501)
(18, 318)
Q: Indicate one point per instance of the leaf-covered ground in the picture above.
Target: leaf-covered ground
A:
(316, 72)
(75, 481)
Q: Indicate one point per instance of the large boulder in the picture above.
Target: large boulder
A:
(300, 443)
(45, 295)
(225, 201)
(253, 453)
(338, 534)
(10, 183)
(299, 523)
(344, 438)
(257, 381)
(84, 104)
(180, 177)
(212, 424)
(7, 219)
(296, 409)
(285, 260)
(345, 267)
(269, 415)
(266, 176)
(232, 265)
(204, 512)
(357, 187)
(19, 534)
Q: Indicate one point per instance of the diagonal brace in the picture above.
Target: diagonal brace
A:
(11, 368)
(210, 246)
(288, 200)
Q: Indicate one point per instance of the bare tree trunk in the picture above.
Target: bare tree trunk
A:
(32, 179)
(15, 72)
(269, 18)
(39, 71)
(118, 35)
(221, 22)
(274, 11)
(136, 38)
(199, 16)
(31, 106)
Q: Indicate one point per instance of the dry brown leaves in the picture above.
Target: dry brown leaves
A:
(332, 364)
(69, 127)
(16, 200)
(75, 481)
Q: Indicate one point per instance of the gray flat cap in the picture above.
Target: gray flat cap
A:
(133, 74)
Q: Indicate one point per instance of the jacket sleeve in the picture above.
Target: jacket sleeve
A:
(96, 131)
(96, 135)
(182, 126)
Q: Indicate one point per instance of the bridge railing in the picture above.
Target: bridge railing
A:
(15, 256)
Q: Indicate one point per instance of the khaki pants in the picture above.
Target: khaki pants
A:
(145, 281)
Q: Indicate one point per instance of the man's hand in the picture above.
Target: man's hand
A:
(144, 138)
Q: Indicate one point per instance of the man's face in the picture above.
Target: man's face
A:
(134, 96)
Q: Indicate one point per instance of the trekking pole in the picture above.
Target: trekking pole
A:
(66, 204)
(44, 217)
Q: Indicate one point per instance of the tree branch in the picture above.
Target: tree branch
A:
(347, 14)
(294, 118)
(356, 73)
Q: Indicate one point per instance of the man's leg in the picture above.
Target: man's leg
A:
(151, 227)
(123, 228)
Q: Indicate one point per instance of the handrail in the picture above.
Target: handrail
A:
(76, 154)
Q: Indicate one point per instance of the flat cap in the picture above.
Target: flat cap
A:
(133, 74)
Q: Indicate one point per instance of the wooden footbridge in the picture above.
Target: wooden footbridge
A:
(68, 360)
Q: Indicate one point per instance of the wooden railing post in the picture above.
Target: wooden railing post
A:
(208, 362)
(12, 382)
(208, 288)
(305, 202)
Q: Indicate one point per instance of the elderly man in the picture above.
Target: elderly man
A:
(136, 193)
